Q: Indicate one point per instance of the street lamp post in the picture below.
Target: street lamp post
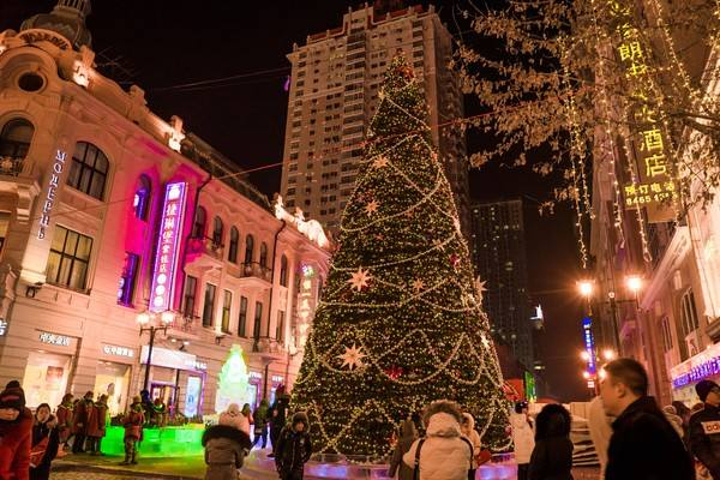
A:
(147, 319)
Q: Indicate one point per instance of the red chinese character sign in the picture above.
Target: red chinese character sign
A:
(168, 246)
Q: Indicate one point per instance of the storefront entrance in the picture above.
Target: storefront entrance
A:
(46, 378)
(113, 380)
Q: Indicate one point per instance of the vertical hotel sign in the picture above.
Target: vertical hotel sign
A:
(168, 247)
(57, 169)
(589, 345)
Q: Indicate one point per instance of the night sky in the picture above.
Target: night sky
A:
(166, 45)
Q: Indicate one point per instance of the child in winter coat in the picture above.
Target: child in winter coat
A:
(523, 437)
(16, 423)
(467, 427)
(444, 452)
(293, 448)
(408, 435)
(552, 457)
(225, 450)
(134, 421)
(45, 443)
(232, 417)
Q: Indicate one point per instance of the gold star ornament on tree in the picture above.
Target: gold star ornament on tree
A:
(418, 285)
(360, 279)
(352, 357)
(372, 207)
(380, 162)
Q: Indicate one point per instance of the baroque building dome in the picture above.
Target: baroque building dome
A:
(66, 19)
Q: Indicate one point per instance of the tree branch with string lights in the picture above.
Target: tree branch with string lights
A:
(400, 323)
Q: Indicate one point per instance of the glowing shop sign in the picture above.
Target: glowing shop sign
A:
(589, 345)
(53, 339)
(3, 327)
(118, 351)
(166, 259)
(57, 169)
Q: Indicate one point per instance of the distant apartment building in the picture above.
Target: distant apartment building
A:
(336, 76)
(498, 251)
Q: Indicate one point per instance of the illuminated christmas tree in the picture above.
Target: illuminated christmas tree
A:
(233, 380)
(400, 323)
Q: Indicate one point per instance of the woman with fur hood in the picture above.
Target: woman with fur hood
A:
(552, 457)
(233, 417)
(16, 422)
(523, 435)
(444, 452)
(467, 427)
(225, 449)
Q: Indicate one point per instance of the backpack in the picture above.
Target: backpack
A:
(416, 465)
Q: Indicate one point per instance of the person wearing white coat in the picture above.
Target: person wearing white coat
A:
(445, 454)
(523, 436)
(467, 428)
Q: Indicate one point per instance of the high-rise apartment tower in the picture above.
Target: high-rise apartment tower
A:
(334, 87)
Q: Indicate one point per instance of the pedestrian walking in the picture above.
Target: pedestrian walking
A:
(64, 415)
(278, 415)
(674, 419)
(644, 446)
(704, 429)
(16, 424)
(293, 448)
(467, 428)
(523, 435)
(551, 458)
(97, 420)
(600, 426)
(232, 417)
(407, 435)
(134, 421)
(82, 411)
(261, 419)
(225, 451)
(45, 443)
(443, 452)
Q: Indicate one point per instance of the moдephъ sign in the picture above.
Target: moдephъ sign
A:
(58, 166)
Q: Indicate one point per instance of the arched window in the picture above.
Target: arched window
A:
(234, 241)
(263, 255)
(217, 237)
(198, 230)
(284, 271)
(249, 247)
(141, 200)
(89, 170)
(15, 139)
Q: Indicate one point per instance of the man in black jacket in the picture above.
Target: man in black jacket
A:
(644, 446)
(705, 428)
(293, 448)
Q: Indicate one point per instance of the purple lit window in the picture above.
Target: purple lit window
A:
(128, 280)
(141, 200)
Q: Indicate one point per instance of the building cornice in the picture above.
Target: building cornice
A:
(673, 256)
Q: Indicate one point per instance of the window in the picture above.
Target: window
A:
(15, 138)
(69, 259)
(280, 329)
(209, 305)
(258, 319)
(234, 241)
(89, 170)
(263, 255)
(227, 306)
(242, 317)
(198, 230)
(217, 237)
(127, 279)
(284, 271)
(666, 334)
(249, 245)
(689, 313)
(188, 306)
(141, 200)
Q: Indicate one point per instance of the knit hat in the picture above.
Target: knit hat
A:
(300, 417)
(704, 387)
(13, 397)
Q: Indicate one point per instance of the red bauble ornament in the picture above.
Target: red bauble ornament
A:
(454, 260)
(394, 372)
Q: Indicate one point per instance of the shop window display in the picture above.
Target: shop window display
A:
(46, 377)
(113, 380)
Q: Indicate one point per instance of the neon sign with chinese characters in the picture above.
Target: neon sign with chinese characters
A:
(168, 247)
(589, 341)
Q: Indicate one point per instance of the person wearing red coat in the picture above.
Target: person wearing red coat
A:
(16, 424)
(96, 425)
(134, 421)
(80, 422)
(64, 415)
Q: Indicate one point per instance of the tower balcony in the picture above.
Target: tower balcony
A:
(205, 251)
(253, 275)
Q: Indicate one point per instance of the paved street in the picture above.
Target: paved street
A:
(87, 476)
